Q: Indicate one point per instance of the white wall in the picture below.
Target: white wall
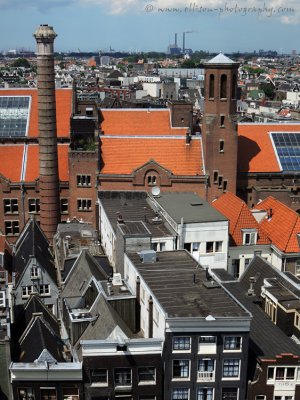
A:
(246, 253)
(107, 236)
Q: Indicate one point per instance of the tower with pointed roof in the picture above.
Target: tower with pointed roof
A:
(219, 125)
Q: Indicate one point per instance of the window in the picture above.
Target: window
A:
(180, 394)
(25, 393)
(12, 228)
(35, 273)
(146, 374)
(221, 146)
(98, 376)
(70, 393)
(64, 206)
(84, 180)
(281, 373)
(11, 206)
(215, 174)
(225, 184)
(205, 393)
(159, 246)
(233, 86)
(231, 368)
(45, 290)
(207, 345)
(297, 267)
(211, 86)
(27, 290)
(223, 87)
(151, 179)
(296, 321)
(222, 121)
(123, 376)
(229, 394)
(84, 204)
(34, 206)
(2, 298)
(181, 369)
(48, 394)
(220, 181)
(209, 247)
(249, 237)
(195, 246)
(260, 397)
(181, 343)
(232, 343)
(206, 369)
(214, 247)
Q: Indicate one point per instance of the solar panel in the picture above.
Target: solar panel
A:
(287, 145)
(14, 112)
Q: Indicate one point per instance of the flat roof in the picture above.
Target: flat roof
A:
(189, 206)
(180, 285)
(132, 206)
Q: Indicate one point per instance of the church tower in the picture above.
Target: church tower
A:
(219, 130)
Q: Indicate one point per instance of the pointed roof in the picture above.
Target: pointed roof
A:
(240, 217)
(221, 59)
(282, 227)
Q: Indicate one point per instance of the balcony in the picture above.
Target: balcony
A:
(206, 376)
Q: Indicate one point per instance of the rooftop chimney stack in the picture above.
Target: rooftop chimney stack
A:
(49, 179)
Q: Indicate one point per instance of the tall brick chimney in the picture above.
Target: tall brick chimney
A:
(49, 179)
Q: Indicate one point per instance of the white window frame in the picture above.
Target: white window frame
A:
(27, 291)
(93, 374)
(235, 349)
(187, 365)
(146, 381)
(84, 204)
(45, 289)
(249, 237)
(34, 205)
(10, 206)
(184, 349)
(232, 377)
(180, 395)
(83, 180)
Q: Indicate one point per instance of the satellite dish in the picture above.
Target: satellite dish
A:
(155, 191)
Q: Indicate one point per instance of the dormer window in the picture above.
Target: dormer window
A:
(249, 236)
(35, 273)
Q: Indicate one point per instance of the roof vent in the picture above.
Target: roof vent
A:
(251, 291)
(117, 279)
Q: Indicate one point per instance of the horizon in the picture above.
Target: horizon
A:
(136, 25)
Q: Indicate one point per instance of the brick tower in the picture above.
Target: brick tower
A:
(49, 179)
(219, 125)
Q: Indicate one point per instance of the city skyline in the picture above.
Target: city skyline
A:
(138, 25)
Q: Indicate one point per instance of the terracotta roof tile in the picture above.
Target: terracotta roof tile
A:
(11, 157)
(282, 227)
(32, 166)
(240, 217)
(255, 150)
(139, 122)
(63, 109)
(122, 156)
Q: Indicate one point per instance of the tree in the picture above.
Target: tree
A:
(268, 89)
(21, 62)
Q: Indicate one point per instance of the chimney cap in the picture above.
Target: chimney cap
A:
(45, 32)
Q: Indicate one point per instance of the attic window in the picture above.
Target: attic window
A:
(249, 237)
(89, 111)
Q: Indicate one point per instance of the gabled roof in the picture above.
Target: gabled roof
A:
(44, 338)
(124, 155)
(282, 225)
(32, 243)
(63, 109)
(255, 150)
(139, 122)
(33, 305)
(11, 157)
(240, 217)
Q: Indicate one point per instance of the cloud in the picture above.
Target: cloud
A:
(41, 5)
(279, 9)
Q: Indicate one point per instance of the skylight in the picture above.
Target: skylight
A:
(14, 115)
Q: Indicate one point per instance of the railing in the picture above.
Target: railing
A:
(206, 375)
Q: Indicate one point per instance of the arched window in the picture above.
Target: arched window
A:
(211, 86)
(223, 87)
(233, 87)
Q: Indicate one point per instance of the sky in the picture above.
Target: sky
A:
(150, 25)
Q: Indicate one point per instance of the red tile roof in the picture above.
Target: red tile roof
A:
(255, 149)
(63, 109)
(11, 157)
(282, 227)
(122, 156)
(156, 122)
(240, 217)
(32, 166)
